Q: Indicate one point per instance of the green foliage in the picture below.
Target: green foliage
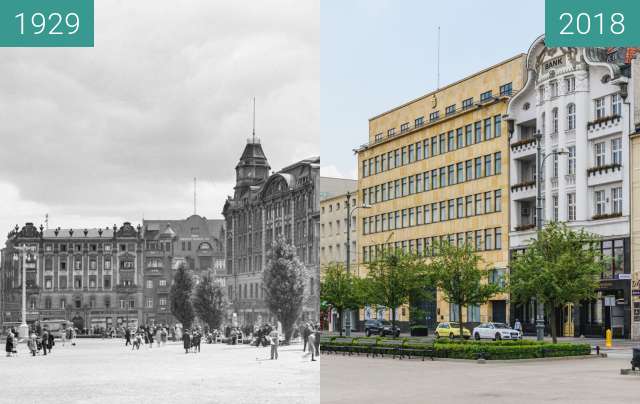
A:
(393, 277)
(341, 290)
(491, 350)
(208, 301)
(284, 279)
(458, 275)
(180, 297)
(561, 266)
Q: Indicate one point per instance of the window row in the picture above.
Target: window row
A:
(467, 206)
(436, 145)
(78, 282)
(453, 174)
(481, 240)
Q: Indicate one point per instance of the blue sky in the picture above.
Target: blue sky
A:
(376, 54)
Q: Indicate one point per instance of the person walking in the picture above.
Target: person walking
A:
(73, 336)
(186, 340)
(9, 343)
(312, 346)
(317, 339)
(45, 341)
(32, 344)
(518, 326)
(52, 341)
(127, 336)
(305, 336)
(274, 342)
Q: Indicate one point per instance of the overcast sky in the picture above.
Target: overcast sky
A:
(378, 54)
(98, 136)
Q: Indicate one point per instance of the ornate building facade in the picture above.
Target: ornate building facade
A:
(577, 99)
(197, 243)
(263, 207)
(89, 276)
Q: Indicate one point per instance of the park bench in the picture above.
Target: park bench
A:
(426, 351)
(325, 344)
(390, 347)
(366, 346)
(343, 345)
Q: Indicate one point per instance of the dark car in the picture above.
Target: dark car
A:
(380, 327)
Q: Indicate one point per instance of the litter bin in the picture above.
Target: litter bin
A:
(635, 360)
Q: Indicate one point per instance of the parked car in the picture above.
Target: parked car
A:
(451, 330)
(380, 327)
(495, 331)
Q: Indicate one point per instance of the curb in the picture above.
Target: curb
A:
(499, 361)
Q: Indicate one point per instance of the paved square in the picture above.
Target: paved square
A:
(580, 381)
(104, 371)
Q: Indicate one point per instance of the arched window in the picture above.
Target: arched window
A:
(571, 116)
(554, 120)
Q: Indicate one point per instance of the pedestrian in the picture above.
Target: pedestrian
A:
(32, 344)
(10, 343)
(317, 339)
(45, 341)
(63, 336)
(306, 331)
(127, 336)
(274, 341)
(518, 326)
(52, 341)
(150, 337)
(186, 340)
(196, 341)
(73, 336)
(312, 346)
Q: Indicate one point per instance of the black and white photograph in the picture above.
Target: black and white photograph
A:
(159, 207)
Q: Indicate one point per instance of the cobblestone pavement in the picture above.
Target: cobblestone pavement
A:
(581, 381)
(104, 371)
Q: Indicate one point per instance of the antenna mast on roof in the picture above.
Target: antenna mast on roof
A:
(254, 120)
(438, 60)
(194, 195)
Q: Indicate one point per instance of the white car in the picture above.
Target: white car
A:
(495, 331)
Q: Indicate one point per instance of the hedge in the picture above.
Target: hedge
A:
(491, 350)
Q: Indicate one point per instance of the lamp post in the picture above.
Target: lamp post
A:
(23, 329)
(540, 160)
(349, 213)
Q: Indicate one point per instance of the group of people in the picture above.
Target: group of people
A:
(147, 335)
(40, 340)
(191, 340)
(311, 337)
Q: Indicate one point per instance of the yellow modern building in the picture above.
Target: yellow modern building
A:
(437, 168)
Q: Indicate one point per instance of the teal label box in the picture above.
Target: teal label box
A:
(592, 23)
(46, 23)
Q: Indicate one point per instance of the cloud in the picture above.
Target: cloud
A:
(164, 96)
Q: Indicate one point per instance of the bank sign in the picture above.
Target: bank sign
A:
(553, 63)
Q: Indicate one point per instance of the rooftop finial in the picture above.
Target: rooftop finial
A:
(254, 120)
(194, 195)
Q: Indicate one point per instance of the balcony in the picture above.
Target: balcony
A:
(604, 174)
(605, 216)
(121, 288)
(524, 227)
(606, 126)
(523, 148)
(523, 190)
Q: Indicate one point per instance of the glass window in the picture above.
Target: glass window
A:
(571, 207)
(554, 120)
(498, 163)
(571, 161)
(498, 238)
(498, 200)
(600, 111)
(599, 202)
(505, 89)
(478, 161)
(570, 84)
(486, 96)
(487, 202)
(487, 129)
(478, 131)
(616, 104)
(488, 239)
(571, 116)
(616, 200)
(467, 103)
(616, 151)
(419, 121)
(473, 314)
(459, 138)
(497, 125)
(487, 165)
(600, 153)
(450, 141)
(460, 172)
(468, 135)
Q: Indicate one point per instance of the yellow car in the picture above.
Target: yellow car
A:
(451, 330)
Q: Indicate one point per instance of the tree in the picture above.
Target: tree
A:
(392, 278)
(340, 289)
(208, 301)
(457, 273)
(180, 296)
(284, 279)
(560, 267)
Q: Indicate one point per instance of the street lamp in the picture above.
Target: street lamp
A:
(349, 213)
(540, 160)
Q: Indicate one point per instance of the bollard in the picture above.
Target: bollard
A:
(608, 338)
(598, 350)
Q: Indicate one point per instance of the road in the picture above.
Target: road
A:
(104, 371)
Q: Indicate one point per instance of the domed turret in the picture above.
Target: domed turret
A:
(253, 167)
